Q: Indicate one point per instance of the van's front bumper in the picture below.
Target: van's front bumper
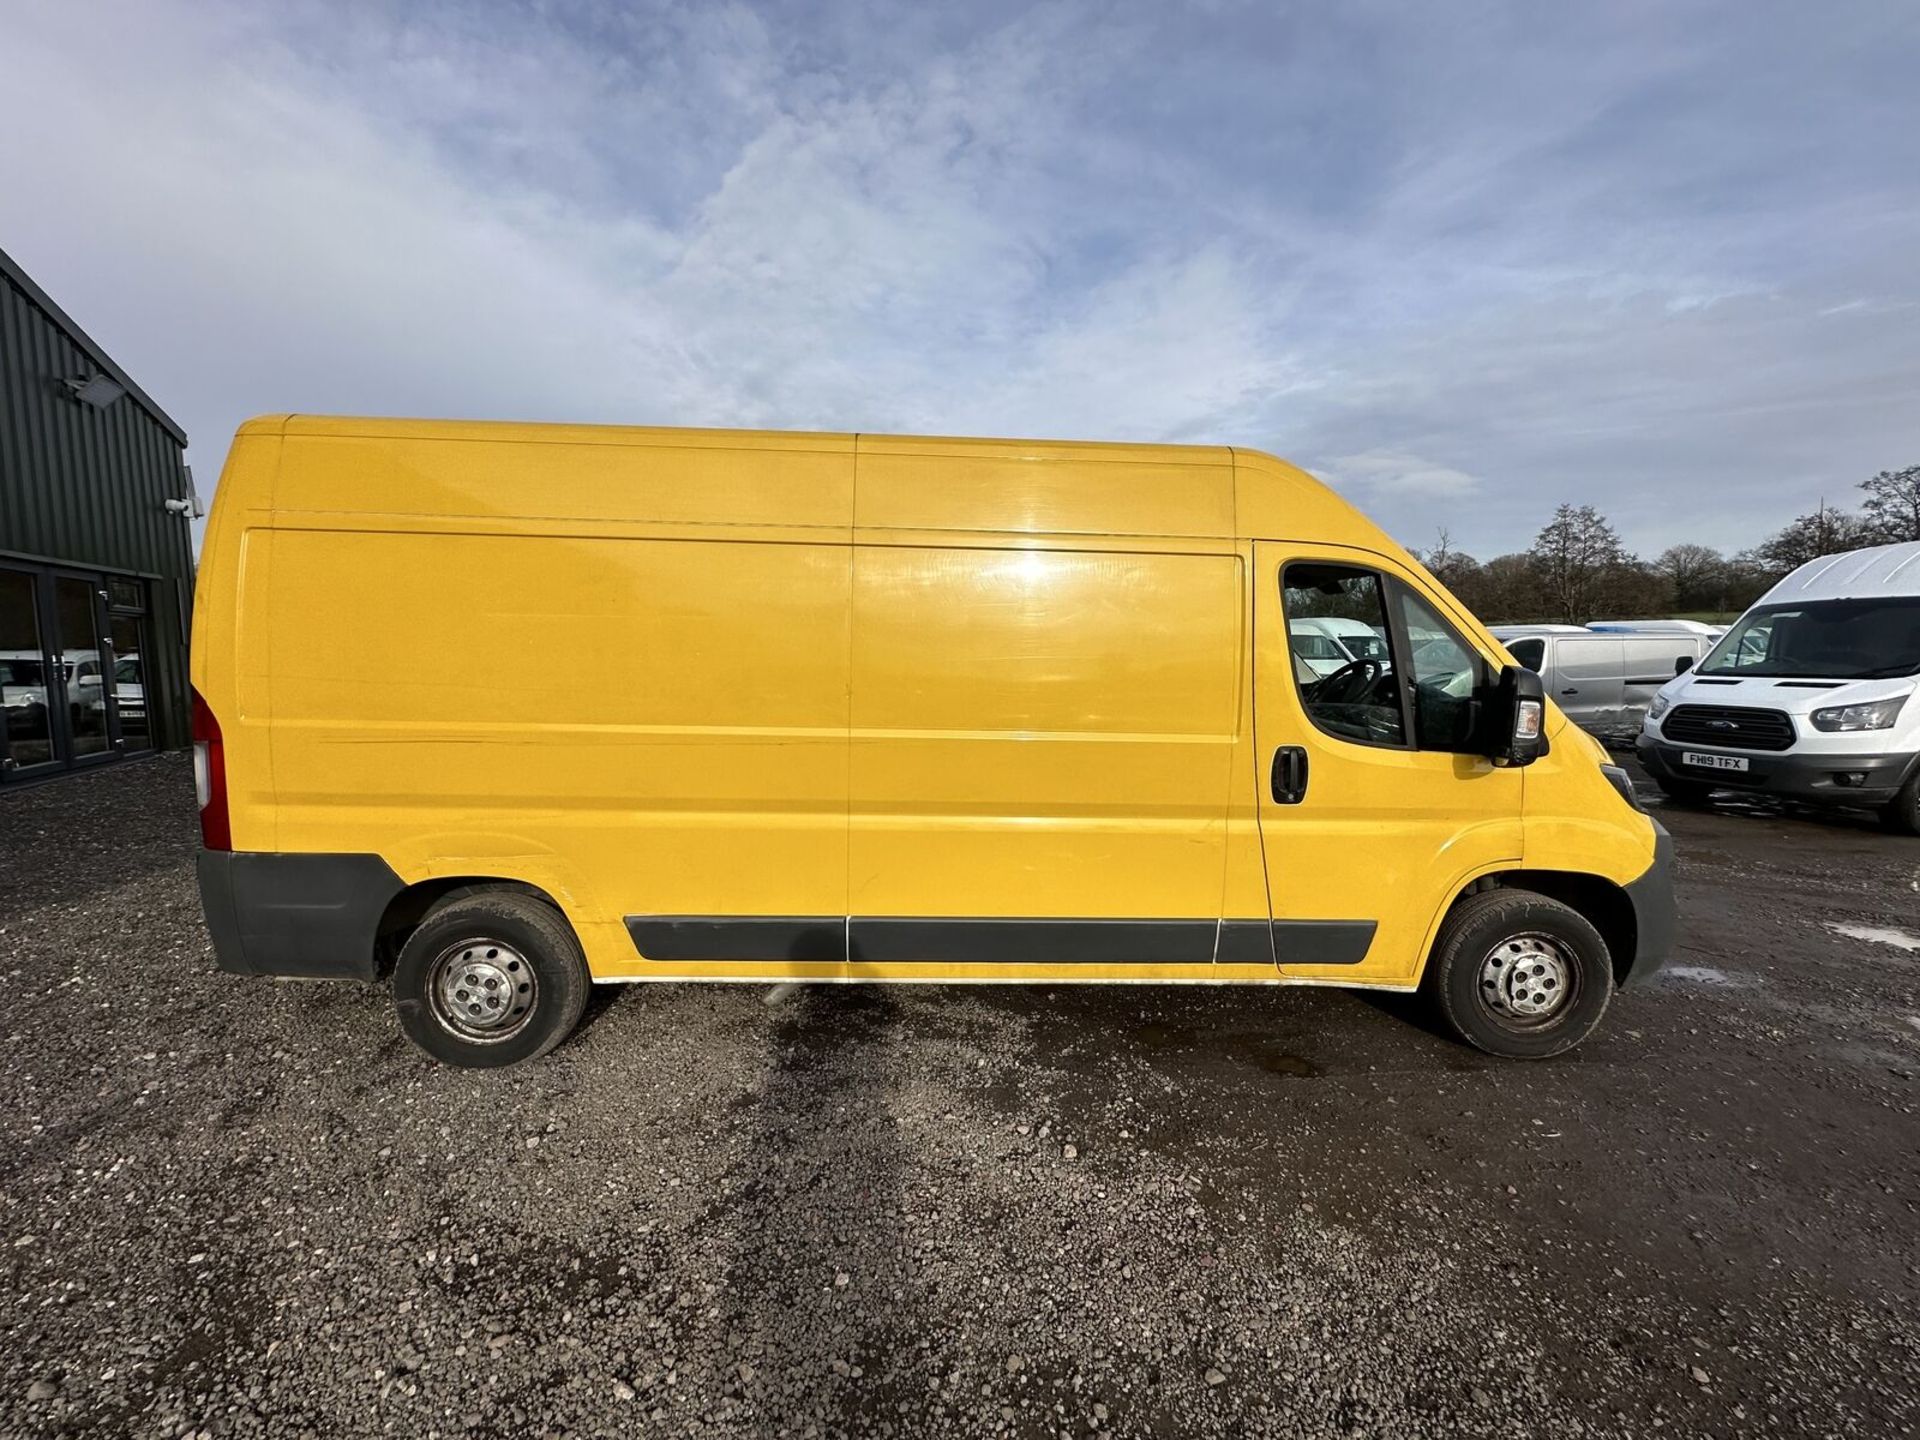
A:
(1656, 915)
(312, 916)
(1832, 778)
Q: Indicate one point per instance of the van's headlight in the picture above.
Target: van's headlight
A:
(1871, 715)
(1659, 707)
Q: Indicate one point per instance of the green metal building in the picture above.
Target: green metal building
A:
(96, 559)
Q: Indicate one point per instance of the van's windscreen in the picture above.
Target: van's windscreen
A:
(1824, 639)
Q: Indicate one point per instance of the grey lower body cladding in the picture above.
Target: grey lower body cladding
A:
(963, 941)
(313, 916)
(318, 916)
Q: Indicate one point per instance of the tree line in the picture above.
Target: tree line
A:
(1577, 570)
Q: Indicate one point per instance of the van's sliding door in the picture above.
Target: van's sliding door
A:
(1042, 735)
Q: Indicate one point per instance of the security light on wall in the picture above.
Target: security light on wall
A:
(99, 391)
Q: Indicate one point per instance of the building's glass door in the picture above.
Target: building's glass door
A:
(83, 665)
(27, 688)
(74, 669)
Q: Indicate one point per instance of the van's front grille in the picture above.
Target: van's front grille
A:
(1730, 727)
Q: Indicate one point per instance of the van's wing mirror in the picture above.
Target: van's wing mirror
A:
(1682, 664)
(1517, 718)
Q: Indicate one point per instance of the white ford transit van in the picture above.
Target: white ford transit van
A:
(1810, 694)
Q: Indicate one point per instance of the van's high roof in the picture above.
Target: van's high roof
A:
(1854, 575)
(606, 474)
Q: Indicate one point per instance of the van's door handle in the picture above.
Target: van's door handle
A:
(1289, 775)
(1571, 690)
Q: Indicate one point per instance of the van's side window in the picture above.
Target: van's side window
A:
(1445, 672)
(1530, 653)
(1360, 699)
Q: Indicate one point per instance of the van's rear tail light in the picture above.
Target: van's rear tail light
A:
(210, 777)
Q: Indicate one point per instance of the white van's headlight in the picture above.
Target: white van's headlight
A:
(1873, 715)
(1659, 707)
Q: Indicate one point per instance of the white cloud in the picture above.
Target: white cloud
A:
(1393, 473)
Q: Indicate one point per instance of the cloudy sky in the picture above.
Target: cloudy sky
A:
(1465, 260)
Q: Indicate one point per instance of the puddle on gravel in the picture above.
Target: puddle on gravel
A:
(1287, 1065)
(1879, 935)
(1700, 975)
(1276, 1062)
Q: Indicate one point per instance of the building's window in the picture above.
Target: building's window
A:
(25, 721)
(124, 593)
(1445, 671)
(1359, 701)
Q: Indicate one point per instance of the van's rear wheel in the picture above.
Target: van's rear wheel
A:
(490, 979)
(1519, 975)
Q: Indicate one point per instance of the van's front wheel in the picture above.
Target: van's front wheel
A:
(1902, 813)
(1520, 975)
(490, 979)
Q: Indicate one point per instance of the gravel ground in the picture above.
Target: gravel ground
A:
(238, 1207)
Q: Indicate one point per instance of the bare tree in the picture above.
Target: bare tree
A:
(1825, 531)
(1697, 573)
(1575, 556)
(1454, 569)
(1893, 504)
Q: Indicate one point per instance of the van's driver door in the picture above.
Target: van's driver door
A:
(1372, 814)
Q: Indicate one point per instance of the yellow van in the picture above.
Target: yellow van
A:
(504, 709)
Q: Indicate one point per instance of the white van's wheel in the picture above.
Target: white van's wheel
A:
(1902, 813)
(1520, 975)
(1684, 792)
(490, 979)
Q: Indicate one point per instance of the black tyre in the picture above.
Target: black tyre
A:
(1519, 975)
(490, 978)
(1902, 813)
(1684, 792)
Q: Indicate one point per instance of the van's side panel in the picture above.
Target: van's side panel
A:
(639, 717)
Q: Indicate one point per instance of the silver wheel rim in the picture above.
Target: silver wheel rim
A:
(482, 990)
(1527, 981)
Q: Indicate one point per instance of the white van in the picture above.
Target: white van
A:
(1327, 643)
(1808, 695)
(1604, 682)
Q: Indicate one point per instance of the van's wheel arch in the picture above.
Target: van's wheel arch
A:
(490, 977)
(1519, 974)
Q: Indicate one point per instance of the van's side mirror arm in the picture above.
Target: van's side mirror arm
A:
(1517, 718)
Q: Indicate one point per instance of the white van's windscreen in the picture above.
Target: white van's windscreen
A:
(1824, 640)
